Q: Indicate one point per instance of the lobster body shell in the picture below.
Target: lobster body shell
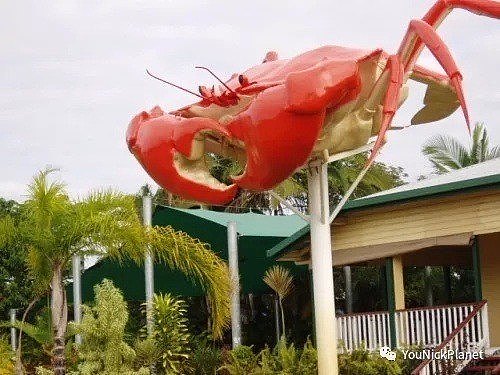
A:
(278, 115)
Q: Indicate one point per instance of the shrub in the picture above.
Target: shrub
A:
(171, 333)
(241, 361)
(284, 359)
(6, 358)
(363, 362)
(104, 350)
(206, 358)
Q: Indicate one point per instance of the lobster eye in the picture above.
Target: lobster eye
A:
(243, 80)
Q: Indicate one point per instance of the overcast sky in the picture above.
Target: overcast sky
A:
(72, 72)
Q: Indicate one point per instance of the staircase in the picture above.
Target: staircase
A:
(471, 335)
(482, 366)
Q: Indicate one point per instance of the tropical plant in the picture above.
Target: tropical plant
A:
(171, 333)
(241, 361)
(53, 228)
(16, 290)
(206, 358)
(363, 362)
(447, 153)
(104, 350)
(279, 279)
(284, 359)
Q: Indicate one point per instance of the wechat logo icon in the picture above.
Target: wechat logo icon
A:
(387, 353)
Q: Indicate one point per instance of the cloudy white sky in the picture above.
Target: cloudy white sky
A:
(72, 72)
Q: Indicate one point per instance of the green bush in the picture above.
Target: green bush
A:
(104, 350)
(363, 362)
(284, 359)
(205, 358)
(6, 357)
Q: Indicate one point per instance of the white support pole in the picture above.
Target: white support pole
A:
(232, 249)
(321, 259)
(13, 331)
(77, 293)
(147, 215)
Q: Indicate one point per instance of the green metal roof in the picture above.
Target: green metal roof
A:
(479, 176)
(248, 224)
(256, 234)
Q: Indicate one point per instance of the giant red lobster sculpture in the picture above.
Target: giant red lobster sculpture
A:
(281, 114)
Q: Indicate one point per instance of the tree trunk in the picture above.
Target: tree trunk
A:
(59, 313)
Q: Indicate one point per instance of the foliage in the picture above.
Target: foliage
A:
(407, 365)
(206, 358)
(104, 350)
(6, 358)
(171, 333)
(341, 174)
(16, 290)
(39, 331)
(447, 153)
(241, 361)
(195, 259)
(52, 228)
(284, 359)
(279, 279)
(363, 362)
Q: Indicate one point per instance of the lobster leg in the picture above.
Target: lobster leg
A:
(422, 33)
(395, 75)
(411, 46)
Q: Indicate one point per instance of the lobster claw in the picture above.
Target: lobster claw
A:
(171, 149)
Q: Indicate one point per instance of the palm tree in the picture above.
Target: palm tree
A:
(279, 279)
(54, 227)
(447, 153)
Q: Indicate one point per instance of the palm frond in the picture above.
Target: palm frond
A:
(195, 259)
(279, 279)
(493, 153)
(446, 153)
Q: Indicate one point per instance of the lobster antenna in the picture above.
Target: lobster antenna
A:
(217, 78)
(173, 84)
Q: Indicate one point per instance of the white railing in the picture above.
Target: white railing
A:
(427, 327)
(470, 335)
(370, 329)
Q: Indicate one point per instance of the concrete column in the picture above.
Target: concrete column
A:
(232, 249)
(322, 270)
(76, 263)
(13, 331)
(147, 217)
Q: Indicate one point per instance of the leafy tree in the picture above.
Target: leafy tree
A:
(447, 153)
(52, 228)
(16, 290)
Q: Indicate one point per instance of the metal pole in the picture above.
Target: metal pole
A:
(13, 333)
(348, 289)
(322, 270)
(147, 214)
(232, 249)
(77, 293)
